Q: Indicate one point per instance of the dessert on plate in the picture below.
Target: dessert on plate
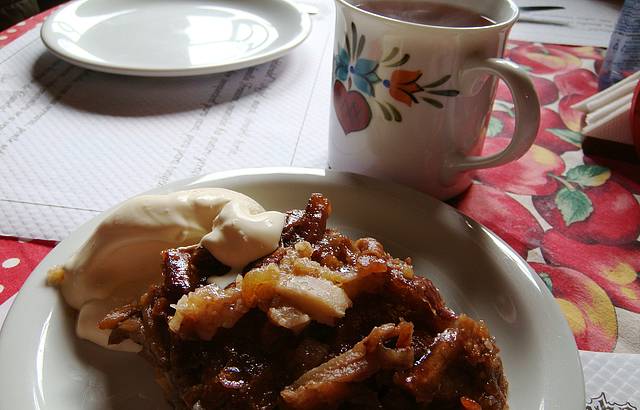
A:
(271, 310)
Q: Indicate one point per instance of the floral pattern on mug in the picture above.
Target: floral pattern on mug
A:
(353, 102)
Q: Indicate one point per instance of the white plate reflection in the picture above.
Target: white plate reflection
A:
(174, 37)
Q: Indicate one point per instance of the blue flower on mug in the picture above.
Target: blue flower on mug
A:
(364, 75)
(363, 71)
(342, 65)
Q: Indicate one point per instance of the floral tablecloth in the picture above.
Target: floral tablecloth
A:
(575, 219)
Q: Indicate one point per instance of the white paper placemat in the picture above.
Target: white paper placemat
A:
(74, 142)
(581, 23)
(612, 380)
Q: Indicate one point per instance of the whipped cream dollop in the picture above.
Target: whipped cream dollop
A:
(122, 257)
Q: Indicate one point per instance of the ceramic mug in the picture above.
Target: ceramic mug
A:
(412, 102)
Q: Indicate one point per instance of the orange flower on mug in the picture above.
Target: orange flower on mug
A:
(403, 84)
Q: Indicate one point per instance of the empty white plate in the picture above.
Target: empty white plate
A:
(174, 37)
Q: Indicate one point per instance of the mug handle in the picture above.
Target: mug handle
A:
(527, 108)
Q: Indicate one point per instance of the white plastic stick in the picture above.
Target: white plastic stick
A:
(612, 116)
(607, 109)
(602, 97)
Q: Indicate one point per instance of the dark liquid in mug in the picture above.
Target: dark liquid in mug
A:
(425, 12)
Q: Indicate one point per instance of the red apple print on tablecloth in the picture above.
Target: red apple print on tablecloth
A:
(572, 118)
(539, 59)
(546, 90)
(503, 215)
(351, 108)
(17, 261)
(529, 175)
(627, 182)
(553, 135)
(586, 52)
(578, 81)
(503, 93)
(626, 174)
(591, 208)
(585, 305)
(517, 42)
(613, 268)
(597, 65)
(501, 123)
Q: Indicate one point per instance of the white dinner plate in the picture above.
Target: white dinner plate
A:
(44, 366)
(174, 37)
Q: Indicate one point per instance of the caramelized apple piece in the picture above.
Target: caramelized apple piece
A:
(330, 382)
(200, 313)
(465, 350)
(317, 297)
(288, 317)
